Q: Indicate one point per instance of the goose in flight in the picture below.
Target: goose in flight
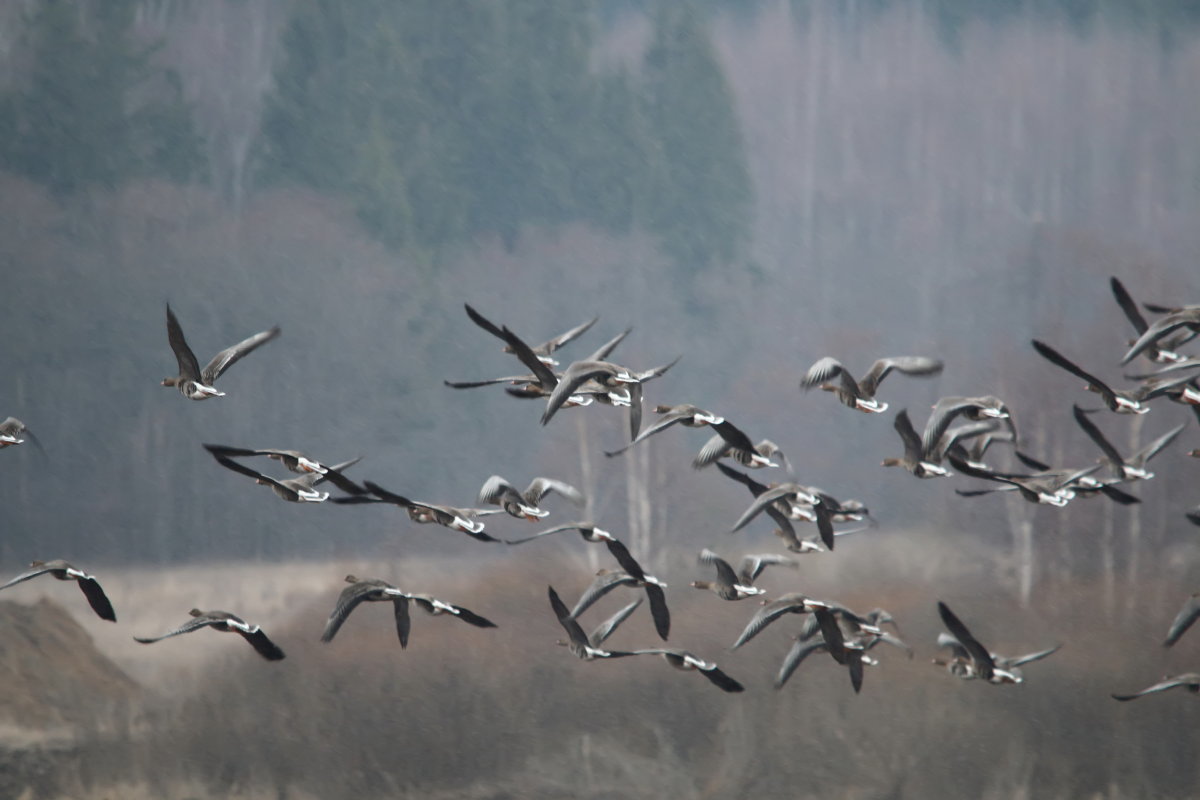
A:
(731, 442)
(686, 414)
(10, 434)
(1187, 317)
(860, 394)
(544, 350)
(803, 501)
(916, 460)
(1083, 486)
(1187, 680)
(63, 571)
(579, 643)
(541, 379)
(524, 505)
(227, 623)
(588, 530)
(791, 603)
(458, 519)
(294, 490)
(371, 589)
(1122, 401)
(729, 585)
(617, 384)
(652, 586)
(1162, 352)
(975, 409)
(686, 661)
(1050, 488)
(1134, 467)
(292, 460)
(971, 659)
(194, 383)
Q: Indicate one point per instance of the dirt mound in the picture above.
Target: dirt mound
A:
(53, 675)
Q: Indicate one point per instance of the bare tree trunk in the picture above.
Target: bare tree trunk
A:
(587, 483)
(637, 495)
(1108, 559)
(1135, 525)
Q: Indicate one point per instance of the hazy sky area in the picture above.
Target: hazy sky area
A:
(749, 186)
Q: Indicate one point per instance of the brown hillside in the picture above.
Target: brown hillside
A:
(52, 673)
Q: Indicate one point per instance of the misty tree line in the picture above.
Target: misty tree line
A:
(439, 121)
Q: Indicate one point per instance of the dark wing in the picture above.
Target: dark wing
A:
(351, 597)
(574, 631)
(250, 472)
(606, 349)
(725, 573)
(1186, 617)
(721, 680)
(1097, 436)
(494, 489)
(575, 376)
(403, 621)
(391, 497)
(189, 367)
(659, 610)
(766, 615)
(1151, 450)
(471, 618)
(489, 381)
(28, 574)
(1128, 306)
(753, 565)
(96, 598)
(712, 450)
(483, 321)
(660, 424)
(908, 435)
(1031, 462)
(979, 654)
(193, 624)
(1017, 661)
(824, 514)
(229, 356)
(754, 486)
(763, 502)
(606, 628)
(1191, 680)
(635, 409)
(732, 434)
(628, 563)
(602, 585)
(832, 633)
(909, 365)
(1055, 357)
(569, 526)
(567, 336)
(545, 376)
(540, 487)
(1186, 317)
(826, 369)
(1118, 496)
(259, 641)
(854, 663)
(334, 475)
(800, 651)
(944, 412)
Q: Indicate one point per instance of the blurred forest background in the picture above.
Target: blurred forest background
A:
(752, 185)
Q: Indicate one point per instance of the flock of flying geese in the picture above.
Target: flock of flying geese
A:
(958, 432)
